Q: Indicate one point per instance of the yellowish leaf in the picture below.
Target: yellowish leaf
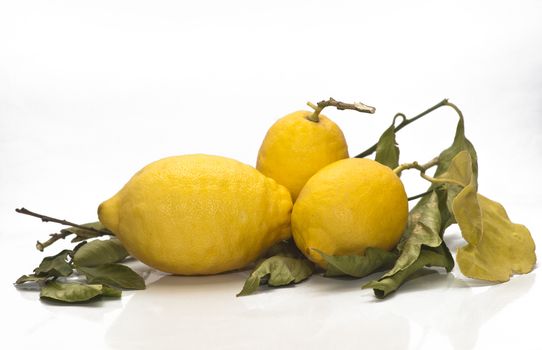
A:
(497, 248)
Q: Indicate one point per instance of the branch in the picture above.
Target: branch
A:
(415, 165)
(63, 233)
(407, 121)
(54, 237)
(62, 222)
(331, 102)
(420, 195)
(423, 168)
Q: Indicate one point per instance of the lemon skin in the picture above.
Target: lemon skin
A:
(348, 206)
(198, 214)
(295, 148)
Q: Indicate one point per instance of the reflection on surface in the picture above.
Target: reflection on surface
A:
(454, 308)
(203, 312)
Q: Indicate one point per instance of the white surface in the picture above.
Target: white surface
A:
(90, 92)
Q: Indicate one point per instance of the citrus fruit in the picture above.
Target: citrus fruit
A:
(198, 214)
(296, 147)
(348, 206)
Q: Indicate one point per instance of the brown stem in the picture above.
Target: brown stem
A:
(331, 102)
(54, 237)
(63, 233)
(58, 221)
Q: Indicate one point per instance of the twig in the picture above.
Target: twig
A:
(58, 221)
(423, 168)
(54, 237)
(420, 195)
(63, 233)
(415, 165)
(331, 102)
(407, 121)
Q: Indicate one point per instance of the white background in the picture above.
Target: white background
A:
(92, 91)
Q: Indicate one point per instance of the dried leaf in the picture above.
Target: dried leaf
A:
(387, 152)
(497, 248)
(280, 271)
(70, 292)
(429, 219)
(358, 265)
(55, 266)
(428, 257)
(111, 292)
(113, 275)
(100, 252)
(30, 278)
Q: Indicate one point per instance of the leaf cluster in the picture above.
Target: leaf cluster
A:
(496, 248)
(94, 269)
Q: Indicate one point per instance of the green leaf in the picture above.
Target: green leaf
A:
(111, 292)
(497, 248)
(430, 217)
(55, 266)
(461, 143)
(358, 265)
(439, 256)
(100, 252)
(70, 292)
(387, 152)
(424, 228)
(114, 275)
(280, 271)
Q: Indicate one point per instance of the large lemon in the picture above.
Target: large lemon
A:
(295, 148)
(348, 206)
(198, 214)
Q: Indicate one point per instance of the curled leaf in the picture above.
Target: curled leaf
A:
(70, 292)
(358, 265)
(428, 220)
(100, 252)
(54, 266)
(428, 257)
(387, 152)
(30, 278)
(75, 292)
(113, 275)
(279, 271)
(497, 248)
(424, 228)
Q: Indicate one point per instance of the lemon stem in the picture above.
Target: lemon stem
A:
(422, 169)
(356, 106)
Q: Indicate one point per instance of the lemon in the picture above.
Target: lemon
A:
(348, 206)
(295, 148)
(198, 214)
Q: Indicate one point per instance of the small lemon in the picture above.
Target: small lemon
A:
(348, 206)
(198, 214)
(295, 148)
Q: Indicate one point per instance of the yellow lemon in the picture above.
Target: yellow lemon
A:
(348, 206)
(295, 148)
(198, 214)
